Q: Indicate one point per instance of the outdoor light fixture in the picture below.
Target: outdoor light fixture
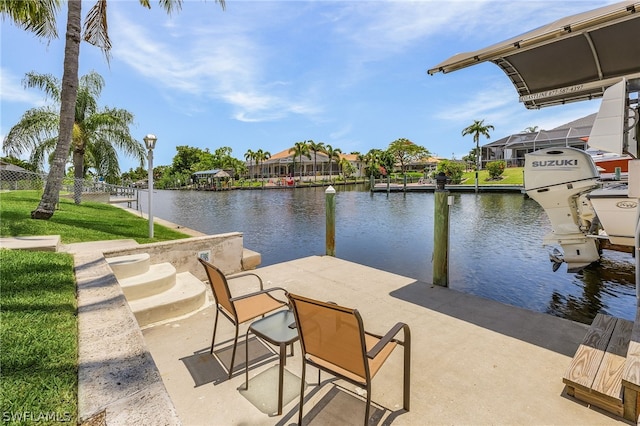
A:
(150, 142)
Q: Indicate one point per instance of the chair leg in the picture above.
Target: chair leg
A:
(304, 370)
(233, 353)
(246, 360)
(406, 391)
(367, 410)
(215, 327)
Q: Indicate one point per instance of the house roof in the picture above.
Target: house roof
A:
(12, 167)
(287, 157)
(574, 58)
(572, 131)
(218, 173)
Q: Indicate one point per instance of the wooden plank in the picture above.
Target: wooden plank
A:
(611, 405)
(586, 362)
(608, 380)
(631, 372)
(631, 404)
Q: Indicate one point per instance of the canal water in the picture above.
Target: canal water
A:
(495, 242)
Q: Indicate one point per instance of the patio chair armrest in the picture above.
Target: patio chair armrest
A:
(255, 293)
(245, 274)
(384, 340)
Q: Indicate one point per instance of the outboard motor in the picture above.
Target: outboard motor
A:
(557, 178)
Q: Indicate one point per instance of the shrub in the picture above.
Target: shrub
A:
(496, 168)
(452, 169)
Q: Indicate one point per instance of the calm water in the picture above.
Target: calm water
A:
(495, 248)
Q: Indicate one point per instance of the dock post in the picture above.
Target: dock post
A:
(441, 233)
(330, 212)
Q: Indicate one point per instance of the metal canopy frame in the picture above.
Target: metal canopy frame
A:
(572, 59)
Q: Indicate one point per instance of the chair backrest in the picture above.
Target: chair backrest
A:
(332, 333)
(219, 286)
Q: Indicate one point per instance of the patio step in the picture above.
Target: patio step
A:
(156, 280)
(187, 295)
(129, 265)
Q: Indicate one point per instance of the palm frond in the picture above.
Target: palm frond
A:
(96, 31)
(49, 84)
(34, 126)
(37, 16)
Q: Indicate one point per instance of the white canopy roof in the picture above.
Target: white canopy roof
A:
(571, 59)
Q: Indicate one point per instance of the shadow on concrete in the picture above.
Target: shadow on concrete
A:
(553, 333)
(205, 367)
(339, 406)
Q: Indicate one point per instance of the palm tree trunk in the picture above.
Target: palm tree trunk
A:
(78, 174)
(68, 96)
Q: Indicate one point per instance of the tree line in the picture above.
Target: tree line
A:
(76, 127)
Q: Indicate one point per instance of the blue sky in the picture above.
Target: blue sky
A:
(267, 74)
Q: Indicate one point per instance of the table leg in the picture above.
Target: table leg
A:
(246, 360)
(283, 354)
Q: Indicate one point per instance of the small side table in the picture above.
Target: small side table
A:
(275, 330)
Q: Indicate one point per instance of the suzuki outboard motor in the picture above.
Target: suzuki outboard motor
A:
(557, 178)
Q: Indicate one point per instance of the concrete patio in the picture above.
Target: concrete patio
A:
(474, 361)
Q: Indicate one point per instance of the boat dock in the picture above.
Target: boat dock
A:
(418, 187)
(474, 361)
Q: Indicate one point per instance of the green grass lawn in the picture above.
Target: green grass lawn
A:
(38, 323)
(38, 331)
(76, 223)
(511, 176)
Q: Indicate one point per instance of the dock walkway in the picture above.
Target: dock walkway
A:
(474, 361)
(417, 187)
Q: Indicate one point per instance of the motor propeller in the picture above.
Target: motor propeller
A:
(556, 258)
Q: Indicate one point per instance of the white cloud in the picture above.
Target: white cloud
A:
(218, 63)
(12, 90)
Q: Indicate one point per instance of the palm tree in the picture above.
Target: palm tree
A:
(299, 149)
(346, 168)
(97, 132)
(95, 33)
(249, 156)
(476, 129)
(333, 154)
(315, 147)
(261, 156)
(362, 159)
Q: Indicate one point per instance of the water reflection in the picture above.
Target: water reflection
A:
(611, 279)
(495, 248)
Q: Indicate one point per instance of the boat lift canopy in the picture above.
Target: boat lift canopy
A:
(572, 59)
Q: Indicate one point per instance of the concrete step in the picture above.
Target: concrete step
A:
(188, 295)
(158, 279)
(129, 265)
(34, 243)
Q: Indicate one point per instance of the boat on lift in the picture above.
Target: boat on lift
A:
(580, 57)
(589, 213)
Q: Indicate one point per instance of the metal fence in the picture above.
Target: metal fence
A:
(20, 180)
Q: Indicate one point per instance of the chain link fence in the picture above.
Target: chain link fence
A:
(13, 178)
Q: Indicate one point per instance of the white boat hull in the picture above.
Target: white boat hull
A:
(617, 213)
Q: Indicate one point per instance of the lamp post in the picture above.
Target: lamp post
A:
(150, 142)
